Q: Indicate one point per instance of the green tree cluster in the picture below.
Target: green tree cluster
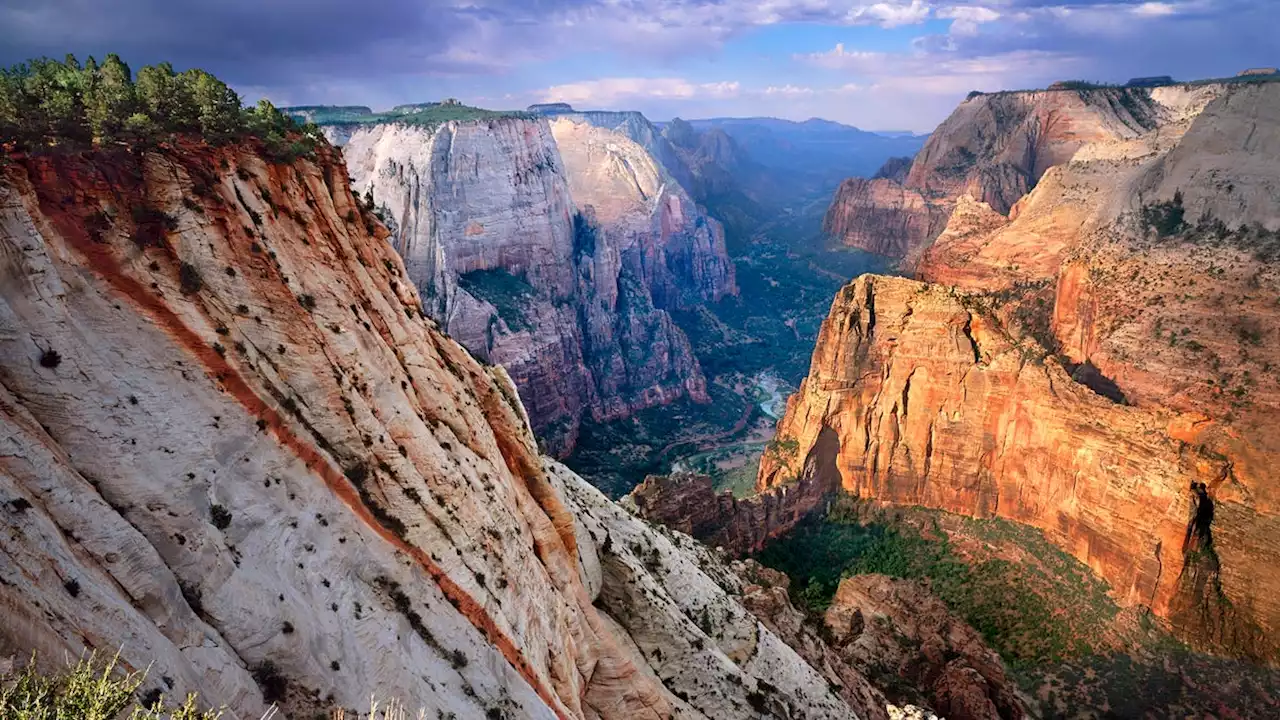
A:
(46, 104)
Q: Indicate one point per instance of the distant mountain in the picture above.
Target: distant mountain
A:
(816, 152)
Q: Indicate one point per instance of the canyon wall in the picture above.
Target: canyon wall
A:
(555, 254)
(1098, 364)
(236, 449)
(994, 149)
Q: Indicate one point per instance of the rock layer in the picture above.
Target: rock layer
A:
(897, 629)
(995, 148)
(235, 448)
(935, 404)
(556, 255)
(1100, 365)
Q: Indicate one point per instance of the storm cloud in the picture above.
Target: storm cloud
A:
(663, 56)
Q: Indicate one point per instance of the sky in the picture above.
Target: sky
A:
(876, 64)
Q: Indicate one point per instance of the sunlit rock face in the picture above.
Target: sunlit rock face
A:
(236, 448)
(1095, 364)
(995, 148)
(555, 249)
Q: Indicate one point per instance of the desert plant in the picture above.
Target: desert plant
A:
(88, 690)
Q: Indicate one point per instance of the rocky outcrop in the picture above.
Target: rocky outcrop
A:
(935, 403)
(554, 255)
(765, 594)
(883, 216)
(896, 629)
(1100, 366)
(895, 169)
(995, 148)
(631, 125)
(237, 449)
(689, 503)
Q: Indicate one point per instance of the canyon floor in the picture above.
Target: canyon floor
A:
(1071, 650)
(754, 348)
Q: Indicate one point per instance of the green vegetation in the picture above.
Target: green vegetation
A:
(616, 456)
(1165, 219)
(584, 237)
(89, 690)
(46, 105)
(1166, 222)
(1042, 606)
(787, 276)
(506, 292)
(428, 115)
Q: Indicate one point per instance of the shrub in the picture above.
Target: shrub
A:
(1166, 218)
(50, 359)
(273, 684)
(88, 690)
(189, 280)
(220, 516)
(457, 659)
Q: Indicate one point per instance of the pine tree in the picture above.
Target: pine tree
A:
(217, 106)
(166, 99)
(110, 99)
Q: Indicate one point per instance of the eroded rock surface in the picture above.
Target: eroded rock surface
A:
(897, 629)
(237, 449)
(935, 404)
(553, 250)
(995, 148)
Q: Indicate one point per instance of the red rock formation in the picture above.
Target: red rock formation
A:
(230, 436)
(935, 404)
(883, 216)
(994, 148)
(689, 503)
(883, 626)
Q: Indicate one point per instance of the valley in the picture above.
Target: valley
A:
(754, 348)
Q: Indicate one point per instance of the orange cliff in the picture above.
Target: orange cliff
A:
(994, 148)
(1095, 358)
(235, 449)
(935, 404)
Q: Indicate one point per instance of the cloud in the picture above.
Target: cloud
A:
(890, 14)
(1155, 9)
(619, 93)
(391, 51)
(967, 18)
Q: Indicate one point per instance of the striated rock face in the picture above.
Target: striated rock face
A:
(689, 503)
(554, 255)
(235, 448)
(995, 148)
(936, 404)
(883, 216)
(896, 628)
(765, 595)
(1102, 364)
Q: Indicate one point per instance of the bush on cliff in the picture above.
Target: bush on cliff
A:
(46, 104)
(89, 690)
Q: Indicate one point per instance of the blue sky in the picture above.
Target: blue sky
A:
(878, 64)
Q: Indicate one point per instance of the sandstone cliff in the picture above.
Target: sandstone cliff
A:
(995, 148)
(934, 403)
(554, 255)
(236, 448)
(1102, 366)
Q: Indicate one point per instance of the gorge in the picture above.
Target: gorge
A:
(294, 413)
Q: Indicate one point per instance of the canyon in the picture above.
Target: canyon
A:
(556, 244)
(1063, 359)
(238, 450)
(281, 420)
